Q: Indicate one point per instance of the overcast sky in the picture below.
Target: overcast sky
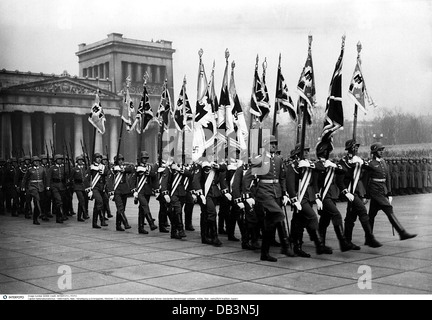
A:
(396, 36)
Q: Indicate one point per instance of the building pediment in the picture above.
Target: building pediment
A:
(61, 86)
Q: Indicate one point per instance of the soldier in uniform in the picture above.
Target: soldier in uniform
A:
(119, 189)
(190, 198)
(2, 198)
(379, 190)
(106, 204)
(418, 176)
(94, 183)
(34, 183)
(206, 181)
(395, 176)
(77, 179)
(403, 177)
(424, 172)
(301, 193)
(429, 176)
(56, 178)
(24, 163)
(46, 201)
(269, 196)
(141, 182)
(9, 187)
(326, 194)
(411, 176)
(347, 183)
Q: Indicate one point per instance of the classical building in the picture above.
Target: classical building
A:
(40, 111)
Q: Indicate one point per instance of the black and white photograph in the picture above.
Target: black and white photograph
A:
(221, 153)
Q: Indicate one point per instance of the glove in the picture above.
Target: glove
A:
(297, 205)
(228, 196)
(304, 164)
(241, 205)
(47, 188)
(167, 198)
(135, 194)
(203, 199)
(90, 195)
(349, 196)
(195, 199)
(215, 165)
(357, 159)
(390, 199)
(250, 201)
(22, 189)
(111, 196)
(285, 201)
(329, 163)
(174, 166)
(319, 204)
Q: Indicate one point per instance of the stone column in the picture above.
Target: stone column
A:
(113, 137)
(159, 75)
(139, 72)
(78, 134)
(151, 75)
(101, 71)
(6, 133)
(106, 70)
(129, 70)
(48, 131)
(26, 133)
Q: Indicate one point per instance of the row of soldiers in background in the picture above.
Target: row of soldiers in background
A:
(252, 201)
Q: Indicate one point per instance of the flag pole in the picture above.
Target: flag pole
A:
(128, 80)
(142, 116)
(161, 127)
(184, 123)
(303, 128)
(359, 47)
(228, 139)
(275, 124)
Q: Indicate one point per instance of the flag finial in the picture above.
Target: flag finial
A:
(233, 64)
(184, 80)
(343, 41)
(256, 63)
(359, 47)
(264, 64)
(310, 40)
(227, 54)
(146, 77)
(200, 52)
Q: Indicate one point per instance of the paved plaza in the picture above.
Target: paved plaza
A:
(105, 261)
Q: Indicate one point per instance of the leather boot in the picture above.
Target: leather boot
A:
(265, 247)
(102, 219)
(348, 235)
(253, 231)
(36, 213)
(298, 250)
(230, 229)
(343, 244)
(286, 247)
(80, 213)
(125, 221)
(95, 219)
(180, 226)
(141, 218)
(204, 232)
(119, 222)
(188, 216)
(403, 234)
(150, 221)
(221, 222)
(369, 237)
(214, 234)
(320, 247)
(59, 215)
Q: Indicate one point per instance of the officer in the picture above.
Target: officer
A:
(94, 183)
(326, 194)
(301, 193)
(77, 179)
(190, 198)
(411, 176)
(395, 176)
(379, 190)
(228, 214)
(119, 189)
(46, 201)
(33, 183)
(9, 187)
(106, 204)
(270, 195)
(56, 178)
(348, 184)
(23, 208)
(403, 177)
(141, 182)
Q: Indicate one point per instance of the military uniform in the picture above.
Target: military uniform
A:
(22, 204)
(411, 176)
(141, 184)
(403, 177)
(379, 190)
(56, 178)
(94, 183)
(10, 187)
(347, 183)
(190, 198)
(77, 178)
(34, 182)
(106, 202)
(119, 189)
(395, 176)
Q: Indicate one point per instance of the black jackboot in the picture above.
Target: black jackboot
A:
(125, 221)
(119, 222)
(150, 221)
(141, 229)
(319, 245)
(343, 244)
(265, 247)
(213, 233)
(348, 235)
(286, 247)
(188, 210)
(403, 234)
(370, 238)
(95, 219)
(59, 215)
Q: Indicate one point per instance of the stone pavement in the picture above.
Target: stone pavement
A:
(105, 261)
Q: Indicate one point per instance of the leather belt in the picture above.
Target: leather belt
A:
(269, 181)
(378, 180)
(36, 180)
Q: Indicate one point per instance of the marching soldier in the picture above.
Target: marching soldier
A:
(379, 191)
(141, 182)
(190, 198)
(206, 181)
(46, 200)
(24, 163)
(106, 204)
(119, 189)
(270, 195)
(326, 194)
(77, 179)
(9, 186)
(33, 183)
(56, 178)
(395, 176)
(348, 184)
(94, 183)
(228, 213)
(299, 186)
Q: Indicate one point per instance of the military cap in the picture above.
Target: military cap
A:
(144, 154)
(273, 139)
(35, 158)
(43, 156)
(80, 157)
(349, 144)
(322, 147)
(119, 157)
(105, 157)
(27, 158)
(13, 159)
(58, 156)
(376, 146)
